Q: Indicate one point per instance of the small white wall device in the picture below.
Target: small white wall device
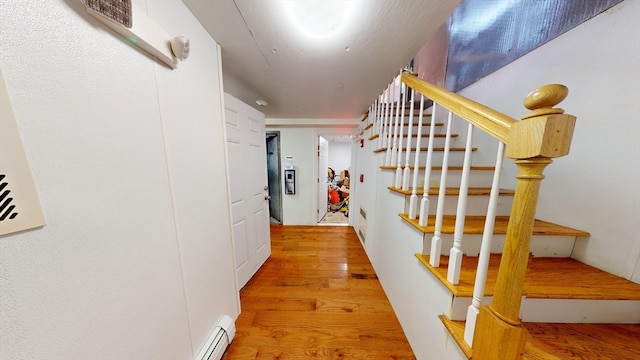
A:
(138, 29)
(180, 47)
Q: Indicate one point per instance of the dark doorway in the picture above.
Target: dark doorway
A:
(273, 174)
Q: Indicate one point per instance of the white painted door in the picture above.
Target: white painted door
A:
(323, 164)
(246, 148)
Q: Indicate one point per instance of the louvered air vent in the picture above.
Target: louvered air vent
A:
(116, 10)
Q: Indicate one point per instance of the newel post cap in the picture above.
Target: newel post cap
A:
(543, 100)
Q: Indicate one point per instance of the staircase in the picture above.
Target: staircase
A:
(563, 309)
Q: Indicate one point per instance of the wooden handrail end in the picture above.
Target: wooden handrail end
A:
(547, 136)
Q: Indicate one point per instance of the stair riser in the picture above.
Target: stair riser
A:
(565, 310)
(477, 178)
(476, 205)
(581, 311)
(438, 142)
(456, 158)
(426, 118)
(426, 125)
(541, 245)
(405, 131)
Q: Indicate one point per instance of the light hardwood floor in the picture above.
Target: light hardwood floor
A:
(318, 297)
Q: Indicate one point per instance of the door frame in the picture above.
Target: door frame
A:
(275, 186)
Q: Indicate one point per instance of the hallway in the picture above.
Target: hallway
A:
(317, 296)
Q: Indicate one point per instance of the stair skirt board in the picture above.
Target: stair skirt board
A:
(219, 340)
(541, 245)
(563, 310)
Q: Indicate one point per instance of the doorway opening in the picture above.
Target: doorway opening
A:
(274, 177)
(334, 163)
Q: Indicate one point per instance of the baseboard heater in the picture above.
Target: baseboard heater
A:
(219, 340)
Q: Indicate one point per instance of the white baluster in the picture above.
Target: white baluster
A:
(485, 251)
(398, 183)
(394, 149)
(455, 254)
(407, 171)
(413, 200)
(374, 128)
(385, 126)
(436, 241)
(379, 118)
(372, 118)
(424, 203)
(392, 127)
(370, 115)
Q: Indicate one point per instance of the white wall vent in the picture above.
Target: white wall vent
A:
(136, 27)
(116, 10)
(362, 225)
(20, 207)
(219, 340)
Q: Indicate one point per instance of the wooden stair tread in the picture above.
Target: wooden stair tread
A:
(382, 149)
(585, 341)
(472, 191)
(546, 341)
(392, 167)
(547, 278)
(456, 330)
(475, 225)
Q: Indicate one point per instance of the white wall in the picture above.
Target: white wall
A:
(301, 143)
(136, 259)
(340, 155)
(595, 188)
(240, 91)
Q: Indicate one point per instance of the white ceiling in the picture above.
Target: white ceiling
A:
(336, 77)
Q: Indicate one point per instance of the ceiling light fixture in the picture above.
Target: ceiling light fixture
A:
(319, 19)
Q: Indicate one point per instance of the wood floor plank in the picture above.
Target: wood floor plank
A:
(317, 296)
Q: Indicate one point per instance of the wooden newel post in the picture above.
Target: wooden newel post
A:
(543, 134)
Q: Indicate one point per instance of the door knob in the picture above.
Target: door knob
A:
(267, 197)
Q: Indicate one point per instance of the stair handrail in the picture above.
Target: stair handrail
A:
(490, 121)
(541, 135)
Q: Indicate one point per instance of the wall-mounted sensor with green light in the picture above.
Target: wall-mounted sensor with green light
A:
(134, 25)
